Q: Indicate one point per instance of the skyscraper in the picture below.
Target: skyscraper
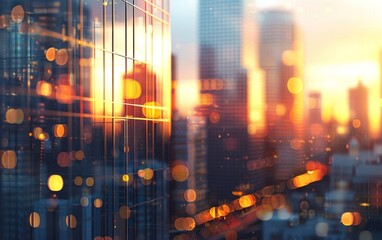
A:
(227, 65)
(280, 59)
(86, 105)
(359, 113)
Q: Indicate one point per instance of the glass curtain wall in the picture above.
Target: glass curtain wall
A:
(85, 115)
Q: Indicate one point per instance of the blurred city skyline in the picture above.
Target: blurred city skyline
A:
(341, 42)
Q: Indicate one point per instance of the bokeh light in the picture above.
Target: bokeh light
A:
(247, 201)
(55, 183)
(125, 177)
(17, 14)
(60, 130)
(124, 212)
(84, 201)
(295, 85)
(132, 88)
(62, 57)
(71, 221)
(34, 220)
(50, 54)
(151, 110)
(189, 195)
(78, 180)
(98, 203)
(9, 159)
(89, 181)
(347, 219)
(180, 173)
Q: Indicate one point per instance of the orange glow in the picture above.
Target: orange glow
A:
(185, 224)
(206, 99)
(289, 57)
(230, 235)
(125, 178)
(71, 221)
(60, 130)
(64, 94)
(214, 212)
(214, 117)
(341, 130)
(63, 159)
(146, 174)
(98, 203)
(36, 132)
(9, 159)
(151, 110)
(247, 201)
(356, 218)
(50, 54)
(34, 220)
(132, 88)
(17, 14)
(80, 155)
(190, 195)
(62, 57)
(89, 181)
(180, 173)
(78, 181)
(224, 210)
(280, 109)
(55, 183)
(124, 212)
(347, 219)
(356, 123)
(295, 85)
(14, 116)
(305, 179)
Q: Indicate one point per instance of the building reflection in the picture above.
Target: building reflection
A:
(85, 133)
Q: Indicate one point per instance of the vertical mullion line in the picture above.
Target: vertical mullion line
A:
(125, 125)
(113, 145)
(104, 114)
(147, 121)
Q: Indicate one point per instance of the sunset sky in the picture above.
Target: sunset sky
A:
(342, 40)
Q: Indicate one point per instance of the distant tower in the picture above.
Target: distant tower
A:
(359, 114)
(280, 58)
(316, 130)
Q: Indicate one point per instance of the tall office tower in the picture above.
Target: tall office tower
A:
(359, 114)
(85, 110)
(227, 67)
(280, 58)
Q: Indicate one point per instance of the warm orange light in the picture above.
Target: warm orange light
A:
(78, 181)
(230, 235)
(289, 57)
(80, 155)
(55, 183)
(190, 195)
(214, 212)
(64, 94)
(60, 130)
(34, 220)
(125, 177)
(146, 174)
(347, 219)
(17, 14)
(9, 159)
(90, 182)
(224, 210)
(98, 203)
(356, 218)
(180, 173)
(151, 110)
(124, 212)
(71, 221)
(132, 88)
(295, 85)
(356, 123)
(206, 99)
(214, 117)
(185, 224)
(247, 201)
(50, 54)
(62, 57)
(280, 109)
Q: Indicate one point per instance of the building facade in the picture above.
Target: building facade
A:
(85, 108)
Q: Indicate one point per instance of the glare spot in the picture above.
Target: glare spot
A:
(295, 85)
(347, 219)
(84, 201)
(247, 201)
(55, 183)
(180, 173)
(146, 174)
(125, 178)
(356, 123)
(34, 220)
(60, 130)
(214, 117)
(37, 131)
(50, 54)
(63, 159)
(89, 181)
(44, 88)
(151, 110)
(190, 195)
(17, 14)
(71, 221)
(280, 110)
(97, 203)
(9, 159)
(124, 212)
(133, 89)
(14, 116)
(62, 57)
(289, 57)
(80, 155)
(264, 212)
(78, 181)
(185, 224)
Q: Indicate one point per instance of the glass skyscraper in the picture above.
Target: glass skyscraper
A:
(85, 108)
